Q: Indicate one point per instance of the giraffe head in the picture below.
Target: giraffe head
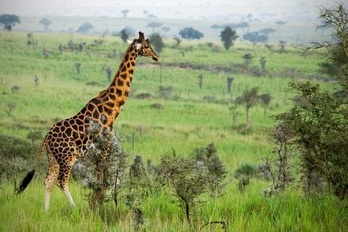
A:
(143, 47)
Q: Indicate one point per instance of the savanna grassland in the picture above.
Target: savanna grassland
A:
(166, 111)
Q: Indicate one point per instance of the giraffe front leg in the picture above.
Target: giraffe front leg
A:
(51, 178)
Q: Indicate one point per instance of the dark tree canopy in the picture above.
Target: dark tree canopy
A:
(85, 28)
(190, 33)
(125, 13)
(124, 35)
(154, 24)
(242, 25)
(267, 30)
(8, 21)
(157, 42)
(255, 37)
(45, 22)
(228, 36)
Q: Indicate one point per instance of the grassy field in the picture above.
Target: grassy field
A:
(243, 212)
(184, 118)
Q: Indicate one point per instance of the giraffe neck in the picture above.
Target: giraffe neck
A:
(120, 86)
(107, 106)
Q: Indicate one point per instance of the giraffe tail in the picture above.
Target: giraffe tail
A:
(27, 179)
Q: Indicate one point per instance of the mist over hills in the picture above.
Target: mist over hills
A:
(299, 17)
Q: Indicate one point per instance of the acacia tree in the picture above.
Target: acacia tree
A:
(190, 33)
(125, 13)
(157, 42)
(85, 28)
(337, 51)
(228, 36)
(249, 99)
(45, 22)
(9, 21)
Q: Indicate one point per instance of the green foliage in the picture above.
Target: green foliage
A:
(190, 178)
(102, 170)
(336, 18)
(34, 136)
(242, 212)
(157, 42)
(228, 36)
(14, 155)
(9, 21)
(187, 179)
(85, 28)
(124, 35)
(256, 37)
(45, 22)
(190, 33)
(209, 158)
(317, 124)
(248, 99)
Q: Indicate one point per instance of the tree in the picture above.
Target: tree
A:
(124, 35)
(248, 99)
(85, 28)
(157, 42)
(165, 29)
(265, 99)
(190, 33)
(318, 126)
(282, 46)
(267, 30)
(189, 178)
(247, 60)
(280, 22)
(125, 13)
(255, 37)
(9, 21)
(242, 25)
(45, 22)
(154, 25)
(229, 84)
(317, 123)
(337, 48)
(103, 175)
(228, 36)
(263, 62)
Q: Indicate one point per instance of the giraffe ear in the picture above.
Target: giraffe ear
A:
(129, 41)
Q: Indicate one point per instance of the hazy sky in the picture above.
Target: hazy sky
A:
(162, 8)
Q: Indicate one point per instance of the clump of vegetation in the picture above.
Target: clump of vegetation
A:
(228, 36)
(251, 98)
(190, 178)
(316, 125)
(15, 154)
(103, 169)
(243, 173)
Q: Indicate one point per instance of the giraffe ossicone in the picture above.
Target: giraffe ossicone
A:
(71, 138)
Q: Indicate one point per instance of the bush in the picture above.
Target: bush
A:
(16, 155)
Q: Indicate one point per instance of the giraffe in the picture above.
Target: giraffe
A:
(70, 139)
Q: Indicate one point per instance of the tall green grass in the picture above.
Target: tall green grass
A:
(249, 211)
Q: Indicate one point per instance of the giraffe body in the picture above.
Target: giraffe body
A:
(71, 138)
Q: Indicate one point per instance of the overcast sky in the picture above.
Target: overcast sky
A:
(161, 8)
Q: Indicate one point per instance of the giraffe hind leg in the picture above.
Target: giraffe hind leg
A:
(51, 178)
(63, 179)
